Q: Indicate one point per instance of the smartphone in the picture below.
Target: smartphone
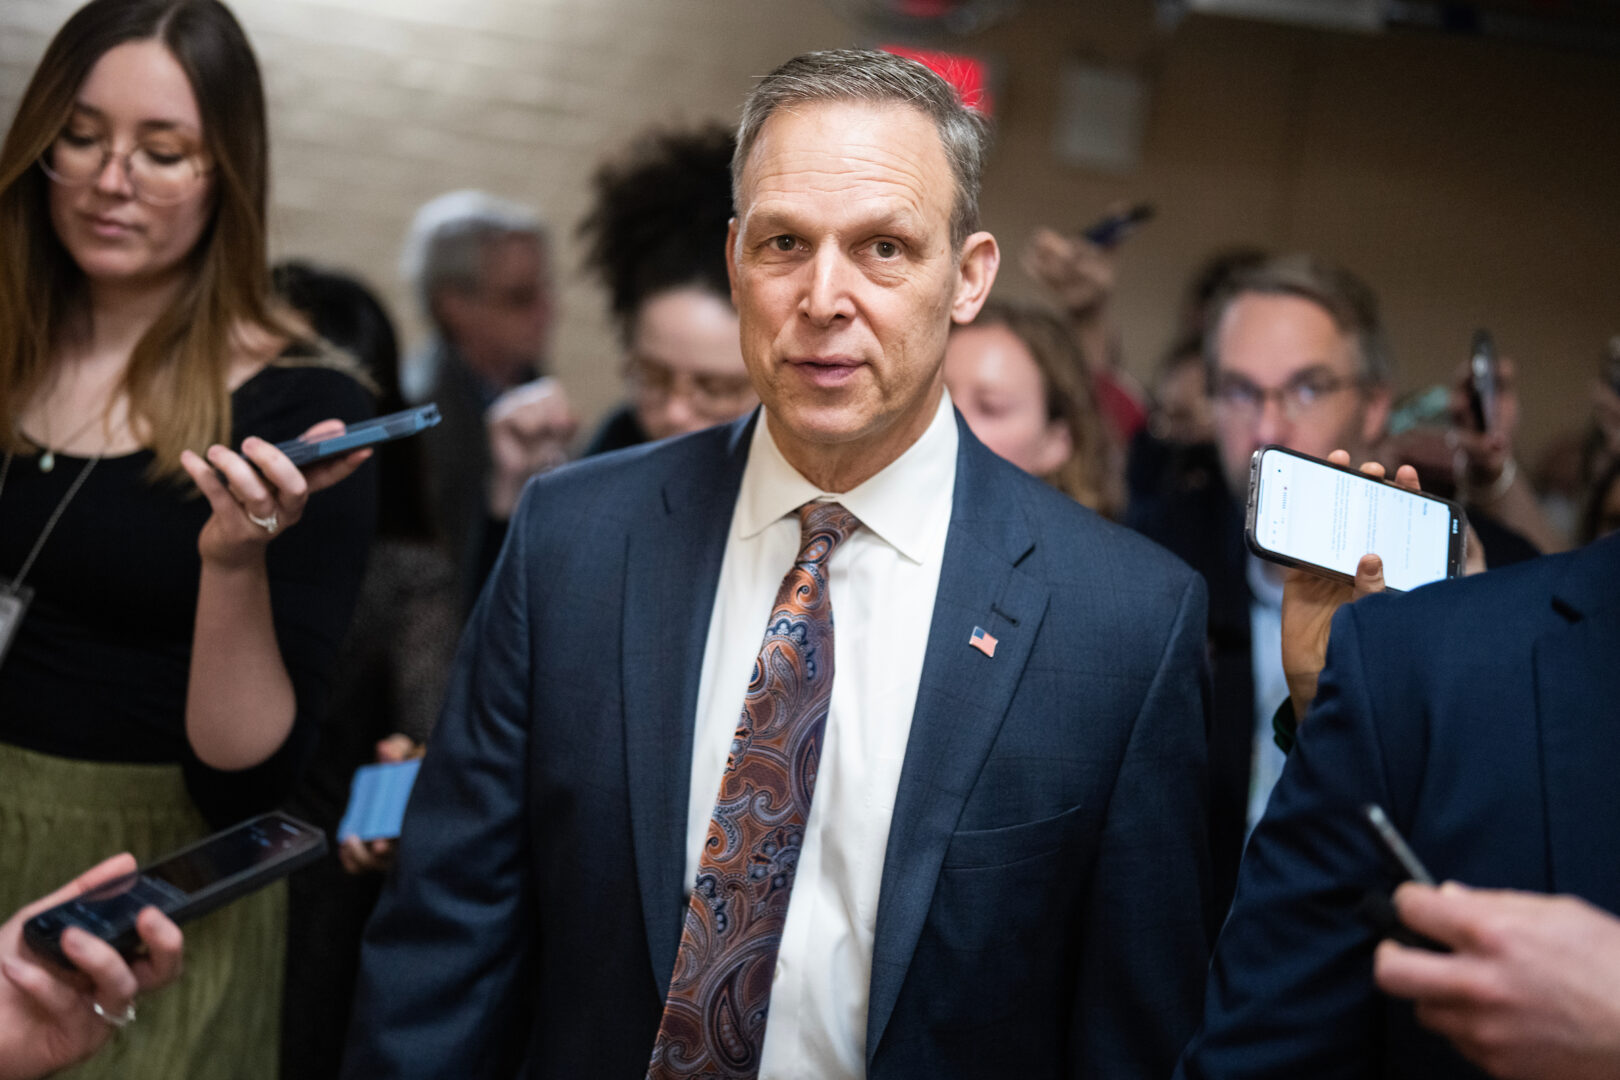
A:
(377, 800)
(191, 882)
(379, 429)
(1109, 231)
(1378, 908)
(1322, 517)
(1482, 380)
(1394, 843)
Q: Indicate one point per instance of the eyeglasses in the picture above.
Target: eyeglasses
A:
(1295, 398)
(157, 176)
(713, 397)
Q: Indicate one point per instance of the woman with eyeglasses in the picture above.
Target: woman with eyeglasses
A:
(657, 239)
(170, 606)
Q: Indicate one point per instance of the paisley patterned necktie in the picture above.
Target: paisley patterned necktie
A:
(714, 1018)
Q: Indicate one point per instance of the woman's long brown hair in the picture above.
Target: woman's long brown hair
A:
(176, 382)
(1088, 474)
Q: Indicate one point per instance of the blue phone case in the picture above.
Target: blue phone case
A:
(363, 433)
(376, 809)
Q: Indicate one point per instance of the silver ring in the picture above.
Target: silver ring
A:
(117, 1020)
(268, 524)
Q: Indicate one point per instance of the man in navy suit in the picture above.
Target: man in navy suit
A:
(1003, 871)
(1482, 715)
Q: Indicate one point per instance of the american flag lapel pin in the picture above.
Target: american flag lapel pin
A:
(982, 641)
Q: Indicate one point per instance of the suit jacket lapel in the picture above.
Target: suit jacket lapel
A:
(961, 699)
(672, 571)
(1577, 688)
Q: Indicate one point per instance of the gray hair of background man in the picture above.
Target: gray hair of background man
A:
(1350, 302)
(445, 245)
(876, 78)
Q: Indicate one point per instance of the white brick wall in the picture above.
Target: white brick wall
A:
(1465, 179)
(378, 105)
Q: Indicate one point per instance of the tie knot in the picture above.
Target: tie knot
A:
(822, 527)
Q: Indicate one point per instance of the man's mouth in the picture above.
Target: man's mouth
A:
(826, 371)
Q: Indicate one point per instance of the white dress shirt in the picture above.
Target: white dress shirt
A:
(1270, 684)
(882, 581)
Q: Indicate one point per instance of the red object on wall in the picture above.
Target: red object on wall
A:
(971, 77)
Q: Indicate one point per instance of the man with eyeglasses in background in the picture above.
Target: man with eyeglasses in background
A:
(480, 268)
(1296, 356)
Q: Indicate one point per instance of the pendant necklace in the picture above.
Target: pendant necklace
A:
(14, 595)
(47, 456)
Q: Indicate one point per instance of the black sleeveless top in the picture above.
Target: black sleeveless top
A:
(99, 666)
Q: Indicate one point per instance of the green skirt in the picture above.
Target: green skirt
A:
(221, 1020)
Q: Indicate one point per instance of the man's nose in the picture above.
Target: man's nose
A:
(827, 297)
(1272, 424)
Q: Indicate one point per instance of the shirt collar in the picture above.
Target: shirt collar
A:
(900, 505)
(1265, 584)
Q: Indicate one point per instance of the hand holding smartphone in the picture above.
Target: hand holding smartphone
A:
(191, 882)
(1322, 517)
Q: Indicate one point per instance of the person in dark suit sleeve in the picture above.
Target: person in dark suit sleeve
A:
(1481, 715)
(1037, 856)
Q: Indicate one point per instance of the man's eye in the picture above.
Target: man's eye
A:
(782, 243)
(886, 249)
(1308, 393)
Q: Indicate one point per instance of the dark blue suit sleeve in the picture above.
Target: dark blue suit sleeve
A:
(1290, 992)
(1140, 982)
(442, 989)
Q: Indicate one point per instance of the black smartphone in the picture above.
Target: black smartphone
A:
(1394, 843)
(1109, 231)
(379, 429)
(191, 882)
(1378, 908)
(1322, 517)
(1482, 378)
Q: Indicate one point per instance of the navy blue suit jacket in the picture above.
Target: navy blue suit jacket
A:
(1045, 870)
(1484, 715)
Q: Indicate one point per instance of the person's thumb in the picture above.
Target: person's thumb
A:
(1369, 575)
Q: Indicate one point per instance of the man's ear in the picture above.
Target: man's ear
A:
(448, 307)
(975, 274)
(1057, 447)
(731, 259)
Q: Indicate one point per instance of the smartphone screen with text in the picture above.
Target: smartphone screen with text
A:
(1310, 513)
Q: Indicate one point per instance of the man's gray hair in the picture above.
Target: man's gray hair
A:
(445, 245)
(877, 78)
(1350, 302)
